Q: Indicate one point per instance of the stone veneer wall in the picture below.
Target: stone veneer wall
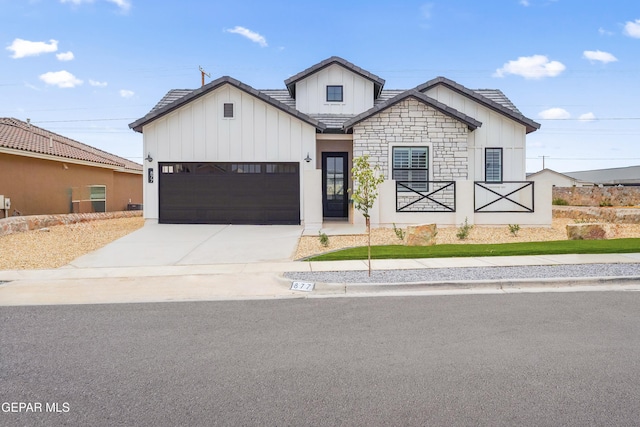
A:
(597, 214)
(16, 224)
(411, 121)
(594, 196)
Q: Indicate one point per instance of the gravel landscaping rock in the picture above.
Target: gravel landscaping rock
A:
(470, 273)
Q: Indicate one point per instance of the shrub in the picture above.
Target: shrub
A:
(398, 231)
(513, 229)
(606, 203)
(324, 239)
(559, 201)
(464, 230)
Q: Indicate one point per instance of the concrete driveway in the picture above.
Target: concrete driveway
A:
(186, 244)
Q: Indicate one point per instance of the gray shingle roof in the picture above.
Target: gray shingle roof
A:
(492, 102)
(194, 94)
(284, 99)
(281, 95)
(171, 96)
(378, 83)
(496, 95)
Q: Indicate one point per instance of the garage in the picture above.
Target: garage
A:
(229, 193)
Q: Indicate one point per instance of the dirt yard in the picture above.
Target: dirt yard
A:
(57, 246)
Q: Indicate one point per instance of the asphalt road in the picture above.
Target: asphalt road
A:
(551, 359)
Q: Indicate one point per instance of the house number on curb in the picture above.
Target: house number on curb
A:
(302, 286)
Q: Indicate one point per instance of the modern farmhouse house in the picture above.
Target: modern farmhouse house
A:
(229, 153)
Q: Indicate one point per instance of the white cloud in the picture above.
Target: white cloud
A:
(598, 55)
(30, 86)
(531, 67)
(554, 114)
(587, 117)
(251, 35)
(65, 56)
(524, 3)
(63, 79)
(126, 93)
(124, 5)
(22, 48)
(632, 29)
(604, 32)
(76, 2)
(97, 83)
(426, 13)
(425, 10)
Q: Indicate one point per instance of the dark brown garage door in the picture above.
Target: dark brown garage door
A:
(229, 193)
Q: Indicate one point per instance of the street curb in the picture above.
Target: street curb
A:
(358, 288)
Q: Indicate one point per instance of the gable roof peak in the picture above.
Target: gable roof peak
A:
(215, 84)
(482, 96)
(471, 123)
(378, 82)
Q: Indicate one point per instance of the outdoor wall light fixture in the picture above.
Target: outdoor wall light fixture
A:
(307, 159)
(149, 158)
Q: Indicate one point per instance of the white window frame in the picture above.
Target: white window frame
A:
(429, 148)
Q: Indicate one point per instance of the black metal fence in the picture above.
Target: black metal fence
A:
(506, 196)
(425, 196)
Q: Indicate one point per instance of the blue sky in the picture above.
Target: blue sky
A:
(87, 68)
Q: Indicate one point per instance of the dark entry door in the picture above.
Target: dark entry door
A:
(335, 198)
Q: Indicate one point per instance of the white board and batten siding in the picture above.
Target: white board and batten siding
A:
(497, 131)
(197, 131)
(311, 92)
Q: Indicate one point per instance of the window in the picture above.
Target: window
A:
(281, 168)
(98, 197)
(246, 168)
(493, 164)
(334, 94)
(411, 164)
(228, 110)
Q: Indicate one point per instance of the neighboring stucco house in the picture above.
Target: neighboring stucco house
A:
(228, 153)
(42, 172)
(557, 179)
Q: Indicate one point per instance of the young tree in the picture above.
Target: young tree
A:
(365, 192)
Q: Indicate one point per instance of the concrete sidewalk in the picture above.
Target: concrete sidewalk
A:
(101, 285)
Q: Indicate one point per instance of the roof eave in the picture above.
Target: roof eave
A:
(472, 124)
(378, 82)
(530, 125)
(140, 123)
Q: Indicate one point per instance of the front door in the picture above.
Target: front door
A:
(335, 199)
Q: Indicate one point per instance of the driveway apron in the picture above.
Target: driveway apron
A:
(196, 244)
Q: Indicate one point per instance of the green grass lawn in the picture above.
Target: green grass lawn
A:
(504, 249)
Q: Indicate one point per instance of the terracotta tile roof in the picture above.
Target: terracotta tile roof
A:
(18, 135)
